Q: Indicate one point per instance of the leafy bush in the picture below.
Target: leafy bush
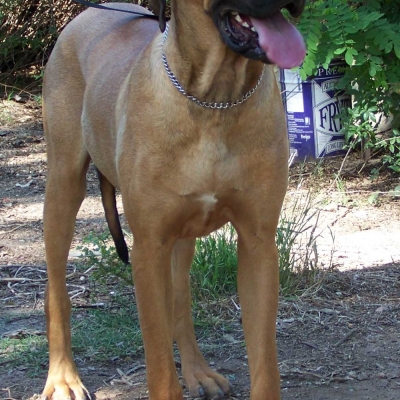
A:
(29, 29)
(367, 35)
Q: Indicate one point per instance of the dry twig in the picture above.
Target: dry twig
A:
(346, 337)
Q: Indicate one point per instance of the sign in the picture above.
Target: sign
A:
(312, 108)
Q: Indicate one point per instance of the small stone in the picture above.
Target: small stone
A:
(352, 374)
(18, 143)
(362, 376)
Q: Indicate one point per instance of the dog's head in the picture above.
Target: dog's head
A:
(254, 28)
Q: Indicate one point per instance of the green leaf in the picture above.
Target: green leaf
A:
(397, 50)
(376, 60)
(311, 55)
(371, 34)
(315, 29)
(347, 135)
(307, 69)
(335, 33)
(361, 58)
(311, 45)
(378, 38)
(380, 22)
(383, 43)
(375, 16)
(389, 47)
(373, 198)
(349, 57)
(303, 74)
(313, 37)
(351, 29)
(311, 63)
(340, 50)
(372, 70)
(372, 116)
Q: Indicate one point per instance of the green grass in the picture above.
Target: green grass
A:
(107, 334)
(214, 267)
(5, 116)
(97, 335)
(30, 352)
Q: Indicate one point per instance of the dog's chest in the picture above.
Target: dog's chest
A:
(208, 168)
(208, 175)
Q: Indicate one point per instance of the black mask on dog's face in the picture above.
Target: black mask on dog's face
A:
(253, 28)
(257, 29)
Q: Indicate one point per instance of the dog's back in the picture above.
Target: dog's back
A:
(79, 58)
(94, 33)
(92, 57)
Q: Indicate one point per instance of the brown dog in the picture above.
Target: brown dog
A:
(184, 169)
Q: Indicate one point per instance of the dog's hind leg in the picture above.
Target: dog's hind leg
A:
(68, 161)
(199, 377)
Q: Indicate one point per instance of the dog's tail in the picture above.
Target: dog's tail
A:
(110, 209)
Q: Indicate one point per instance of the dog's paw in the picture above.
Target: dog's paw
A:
(202, 381)
(65, 384)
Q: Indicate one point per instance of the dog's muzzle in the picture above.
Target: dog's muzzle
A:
(257, 29)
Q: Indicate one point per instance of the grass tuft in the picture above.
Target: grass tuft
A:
(102, 335)
(27, 353)
(296, 241)
(107, 334)
(214, 267)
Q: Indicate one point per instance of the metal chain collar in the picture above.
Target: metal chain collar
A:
(218, 106)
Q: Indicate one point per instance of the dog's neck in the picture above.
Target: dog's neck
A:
(204, 66)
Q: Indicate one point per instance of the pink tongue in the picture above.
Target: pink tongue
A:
(281, 41)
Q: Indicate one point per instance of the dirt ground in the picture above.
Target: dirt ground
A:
(339, 340)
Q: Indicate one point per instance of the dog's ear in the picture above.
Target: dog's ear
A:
(158, 7)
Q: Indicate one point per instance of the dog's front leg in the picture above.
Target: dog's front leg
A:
(65, 191)
(151, 264)
(258, 285)
(199, 377)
